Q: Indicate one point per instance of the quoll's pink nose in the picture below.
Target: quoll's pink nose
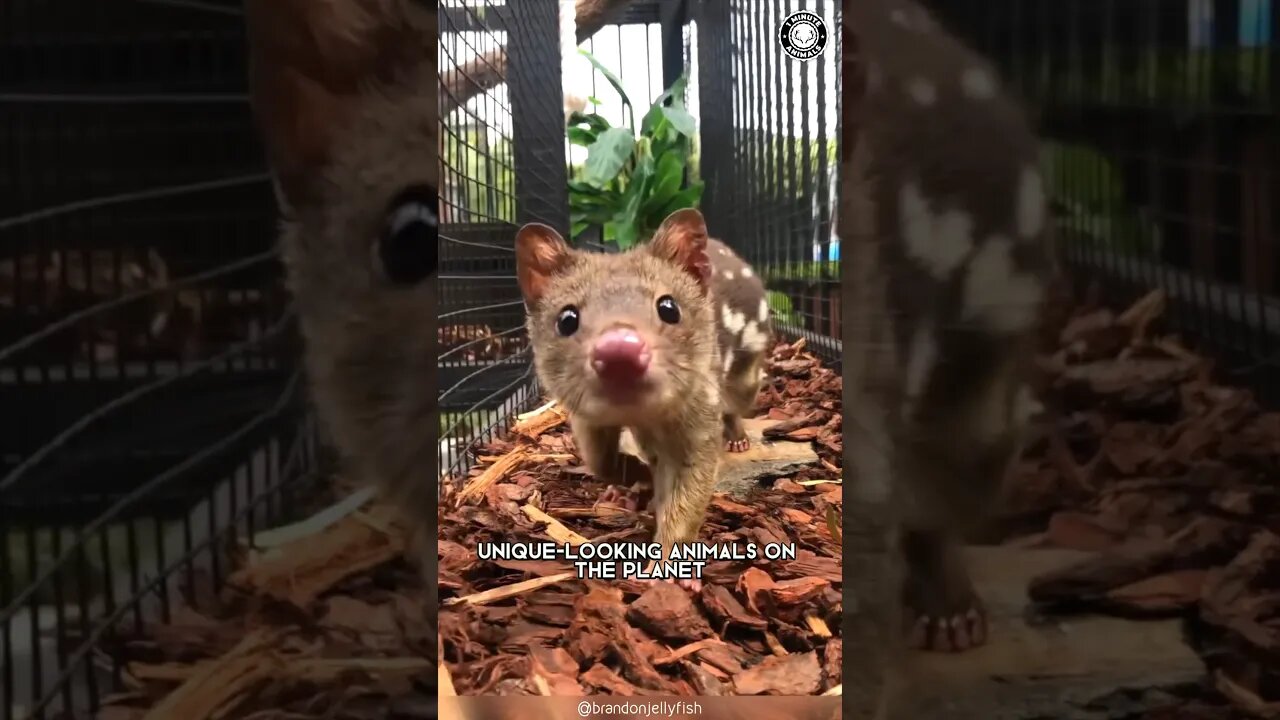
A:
(620, 355)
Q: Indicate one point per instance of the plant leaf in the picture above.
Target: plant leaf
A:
(608, 75)
(778, 302)
(607, 155)
(675, 93)
(690, 197)
(593, 215)
(625, 234)
(581, 136)
(668, 175)
(649, 126)
(599, 123)
(579, 186)
(681, 120)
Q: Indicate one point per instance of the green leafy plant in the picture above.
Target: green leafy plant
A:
(630, 183)
(781, 308)
(1088, 191)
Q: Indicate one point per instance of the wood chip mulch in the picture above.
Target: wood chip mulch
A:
(327, 625)
(1173, 479)
(757, 627)
(330, 624)
(1146, 460)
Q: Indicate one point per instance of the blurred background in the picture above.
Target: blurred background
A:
(152, 417)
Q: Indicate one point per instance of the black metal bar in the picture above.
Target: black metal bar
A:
(537, 116)
(674, 14)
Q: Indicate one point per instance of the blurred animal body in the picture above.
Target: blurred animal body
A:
(947, 261)
(344, 92)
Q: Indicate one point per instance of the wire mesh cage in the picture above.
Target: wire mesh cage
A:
(770, 147)
(1159, 120)
(501, 126)
(152, 417)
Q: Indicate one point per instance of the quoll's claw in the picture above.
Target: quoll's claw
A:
(737, 446)
(619, 496)
(694, 585)
(956, 633)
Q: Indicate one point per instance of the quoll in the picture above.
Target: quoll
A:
(947, 264)
(666, 339)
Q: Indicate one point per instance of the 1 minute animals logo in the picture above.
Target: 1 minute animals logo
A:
(803, 35)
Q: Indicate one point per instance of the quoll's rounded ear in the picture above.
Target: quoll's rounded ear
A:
(682, 239)
(540, 254)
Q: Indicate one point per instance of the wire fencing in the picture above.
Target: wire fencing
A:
(153, 421)
(771, 129)
(1160, 126)
(502, 131)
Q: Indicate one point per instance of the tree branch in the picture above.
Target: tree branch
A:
(461, 84)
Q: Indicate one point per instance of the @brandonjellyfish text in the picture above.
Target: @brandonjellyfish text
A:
(634, 561)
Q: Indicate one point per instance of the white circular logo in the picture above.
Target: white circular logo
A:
(803, 35)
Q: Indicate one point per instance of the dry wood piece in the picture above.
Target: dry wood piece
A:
(305, 568)
(787, 675)
(666, 611)
(492, 474)
(535, 423)
(555, 528)
(220, 685)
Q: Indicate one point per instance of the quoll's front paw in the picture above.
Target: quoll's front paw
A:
(621, 497)
(693, 584)
(735, 436)
(943, 613)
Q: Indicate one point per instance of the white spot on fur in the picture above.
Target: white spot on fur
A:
(733, 321)
(1031, 203)
(746, 272)
(922, 91)
(753, 340)
(996, 293)
(763, 313)
(978, 83)
(939, 242)
(921, 357)
(728, 274)
(1025, 405)
(724, 251)
(728, 361)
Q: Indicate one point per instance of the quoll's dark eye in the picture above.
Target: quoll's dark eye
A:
(668, 310)
(409, 247)
(567, 321)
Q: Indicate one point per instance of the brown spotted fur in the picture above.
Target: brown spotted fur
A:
(936, 442)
